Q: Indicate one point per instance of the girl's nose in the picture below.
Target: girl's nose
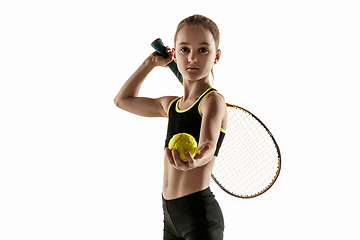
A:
(192, 58)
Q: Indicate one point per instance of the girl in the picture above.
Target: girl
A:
(190, 209)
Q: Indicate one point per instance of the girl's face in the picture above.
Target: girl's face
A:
(195, 52)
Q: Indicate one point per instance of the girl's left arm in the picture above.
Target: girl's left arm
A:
(213, 110)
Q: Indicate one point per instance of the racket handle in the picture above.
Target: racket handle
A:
(158, 45)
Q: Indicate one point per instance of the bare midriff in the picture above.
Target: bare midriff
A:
(178, 183)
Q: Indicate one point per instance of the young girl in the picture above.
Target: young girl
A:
(190, 209)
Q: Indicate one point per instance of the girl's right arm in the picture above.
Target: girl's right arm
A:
(127, 98)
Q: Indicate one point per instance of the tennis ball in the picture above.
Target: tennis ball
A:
(181, 142)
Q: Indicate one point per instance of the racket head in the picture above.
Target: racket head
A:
(249, 161)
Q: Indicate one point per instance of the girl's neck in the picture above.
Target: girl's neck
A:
(194, 89)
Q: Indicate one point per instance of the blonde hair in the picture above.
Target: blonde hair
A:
(203, 22)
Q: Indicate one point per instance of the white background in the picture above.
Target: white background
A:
(73, 166)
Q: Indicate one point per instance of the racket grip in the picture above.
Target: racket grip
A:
(160, 48)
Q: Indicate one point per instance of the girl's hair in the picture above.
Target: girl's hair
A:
(203, 22)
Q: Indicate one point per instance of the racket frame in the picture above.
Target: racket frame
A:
(278, 165)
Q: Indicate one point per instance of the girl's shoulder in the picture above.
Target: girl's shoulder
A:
(166, 102)
(212, 101)
(214, 97)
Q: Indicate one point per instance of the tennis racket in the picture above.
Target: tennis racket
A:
(249, 161)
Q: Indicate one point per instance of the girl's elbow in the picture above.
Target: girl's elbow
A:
(119, 103)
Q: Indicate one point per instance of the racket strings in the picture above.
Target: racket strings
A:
(248, 163)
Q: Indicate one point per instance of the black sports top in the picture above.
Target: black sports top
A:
(188, 121)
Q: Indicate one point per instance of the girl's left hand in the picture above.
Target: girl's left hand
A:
(175, 161)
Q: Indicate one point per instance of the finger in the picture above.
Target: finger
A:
(176, 158)
(169, 50)
(169, 156)
(191, 162)
(180, 165)
(202, 151)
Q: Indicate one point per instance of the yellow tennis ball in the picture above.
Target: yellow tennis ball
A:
(181, 142)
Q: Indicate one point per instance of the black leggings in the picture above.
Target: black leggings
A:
(193, 217)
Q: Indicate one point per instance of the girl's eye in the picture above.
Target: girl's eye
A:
(184, 49)
(203, 50)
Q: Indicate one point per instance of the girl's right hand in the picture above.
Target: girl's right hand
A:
(158, 60)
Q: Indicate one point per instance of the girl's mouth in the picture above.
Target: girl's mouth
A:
(192, 68)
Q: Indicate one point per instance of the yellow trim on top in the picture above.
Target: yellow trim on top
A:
(171, 104)
(220, 94)
(182, 111)
(222, 130)
(203, 99)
